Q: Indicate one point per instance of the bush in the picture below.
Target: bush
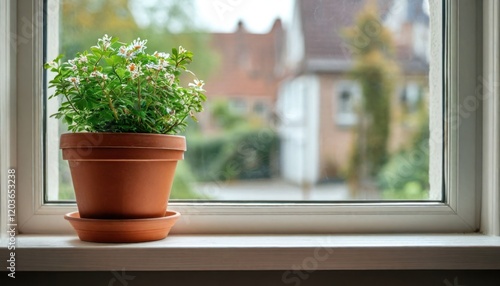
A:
(406, 174)
(182, 187)
(240, 154)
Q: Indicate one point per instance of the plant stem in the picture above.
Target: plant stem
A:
(110, 103)
(95, 65)
(154, 85)
(177, 123)
(139, 96)
(139, 93)
(71, 103)
(114, 71)
(179, 62)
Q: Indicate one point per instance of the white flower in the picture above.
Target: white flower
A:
(181, 50)
(161, 55)
(126, 52)
(72, 65)
(95, 74)
(105, 38)
(170, 78)
(154, 66)
(136, 74)
(122, 51)
(138, 46)
(198, 84)
(132, 67)
(52, 64)
(84, 68)
(135, 70)
(98, 74)
(74, 80)
(163, 63)
(105, 41)
(82, 59)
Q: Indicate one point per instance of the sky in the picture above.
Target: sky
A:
(223, 15)
(257, 15)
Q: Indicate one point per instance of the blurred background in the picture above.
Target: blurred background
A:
(317, 100)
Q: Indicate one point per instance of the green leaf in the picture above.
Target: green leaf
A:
(68, 119)
(96, 51)
(194, 118)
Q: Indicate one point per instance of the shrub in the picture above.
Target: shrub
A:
(242, 154)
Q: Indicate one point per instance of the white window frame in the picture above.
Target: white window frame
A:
(7, 103)
(466, 187)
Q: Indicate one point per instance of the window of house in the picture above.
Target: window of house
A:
(260, 108)
(411, 95)
(347, 99)
(238, 106)
(388, 177)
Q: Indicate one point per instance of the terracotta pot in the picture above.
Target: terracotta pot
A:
(122, 175)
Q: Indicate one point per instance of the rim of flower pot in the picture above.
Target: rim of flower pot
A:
(122, 140)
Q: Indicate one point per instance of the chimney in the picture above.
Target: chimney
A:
(241, 27)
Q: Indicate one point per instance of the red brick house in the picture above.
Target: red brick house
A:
(316, 102)
(248, 75)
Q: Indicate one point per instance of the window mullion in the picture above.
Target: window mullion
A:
(490, 87)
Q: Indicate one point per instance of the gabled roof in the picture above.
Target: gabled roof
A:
(324, 20)
(248, 62)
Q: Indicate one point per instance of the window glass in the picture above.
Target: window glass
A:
(317, 100)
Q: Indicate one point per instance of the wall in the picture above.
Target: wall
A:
(258, 278)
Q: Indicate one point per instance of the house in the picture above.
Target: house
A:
(247, 76)
(317, 101)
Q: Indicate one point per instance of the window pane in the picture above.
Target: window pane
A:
(317, 100)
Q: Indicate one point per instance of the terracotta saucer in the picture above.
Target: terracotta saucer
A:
(122, 230)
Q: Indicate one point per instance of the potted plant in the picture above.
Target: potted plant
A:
(124, 107)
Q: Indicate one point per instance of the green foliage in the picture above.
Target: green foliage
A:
(182, 187)
(117, 87)
(169, 24)
(83, 21)
(401, 179)
(412, 190)
(240, 154)
(406, 174)
(371, 46)
(66, 192)
(225, 118)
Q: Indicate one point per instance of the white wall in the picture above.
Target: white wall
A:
(298, 110)
(294, 41)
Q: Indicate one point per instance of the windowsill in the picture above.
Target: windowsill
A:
(261, 252)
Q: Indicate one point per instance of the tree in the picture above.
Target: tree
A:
(170, 24)
(84, 21)
(371, 46)
(406, 173)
